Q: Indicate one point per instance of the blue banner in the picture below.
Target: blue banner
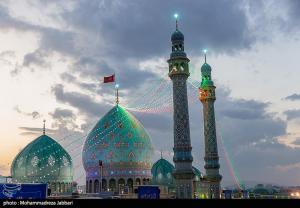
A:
(23, 191)
(245, 194)
(227, 194)
(148, 192)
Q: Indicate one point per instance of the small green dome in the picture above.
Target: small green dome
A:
(177, 36)
(162, 173)
(206, 83)
(198, 174)
(205, 69)
(42, 161)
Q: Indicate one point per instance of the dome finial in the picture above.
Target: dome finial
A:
(176, 18)
(117, 93)
(161, 155)
(205, 51)
(44, 127)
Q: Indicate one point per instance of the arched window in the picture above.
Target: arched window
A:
(90, 186)
(182, 66)
(130, 184)
(96, 186)
(87, 187)
(121, 184)
(138, 181)
(104, 185)
(54, 187)
(62, 187)
(112, 184)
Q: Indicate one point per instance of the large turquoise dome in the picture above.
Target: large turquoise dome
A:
(43, 161)
(120, 141)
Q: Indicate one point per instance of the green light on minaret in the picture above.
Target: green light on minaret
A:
(176, 17)
(205, 52)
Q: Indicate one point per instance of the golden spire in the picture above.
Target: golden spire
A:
(44, 127)
(117, 93)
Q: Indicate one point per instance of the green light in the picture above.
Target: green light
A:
(117, 86)
(205, 51)
(176, 16)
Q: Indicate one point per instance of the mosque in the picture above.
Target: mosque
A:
(117, 153)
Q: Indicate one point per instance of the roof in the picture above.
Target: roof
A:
(177, 36)
(42, 160)
(120, 141)
(162, 173)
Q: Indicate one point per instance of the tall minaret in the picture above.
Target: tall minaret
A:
(207, 97)
(179, 72)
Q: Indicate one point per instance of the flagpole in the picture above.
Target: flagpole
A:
(116, 90)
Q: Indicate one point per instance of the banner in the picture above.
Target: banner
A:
(23, 191)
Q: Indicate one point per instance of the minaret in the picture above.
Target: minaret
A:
(207, 97)
(179, 72)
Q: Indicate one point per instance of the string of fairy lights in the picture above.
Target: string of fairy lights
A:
(101, 134)
(53, 170)
(157, 98)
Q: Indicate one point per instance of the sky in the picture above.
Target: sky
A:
(54, 54)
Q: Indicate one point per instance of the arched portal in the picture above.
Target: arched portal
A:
(112, 185)
(121, 184)
(90, 186)
(138, 181)
(62, 188)
(130, 185)
(96, 186)
(87, 187)
(54, 187)
(144, 181)
(104, 185)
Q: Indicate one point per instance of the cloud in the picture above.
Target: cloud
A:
(62, 113)
(38, 58)
(294, 8)
(32, 131)
(34, 114)
(84, 103)
(125, 31)
(297, 141)
(293, 97)
(292, 114)
(3, 168)
(245, 121)
(244, 109)
(64, 119)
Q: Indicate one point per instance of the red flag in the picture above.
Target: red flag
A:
(109, 79)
